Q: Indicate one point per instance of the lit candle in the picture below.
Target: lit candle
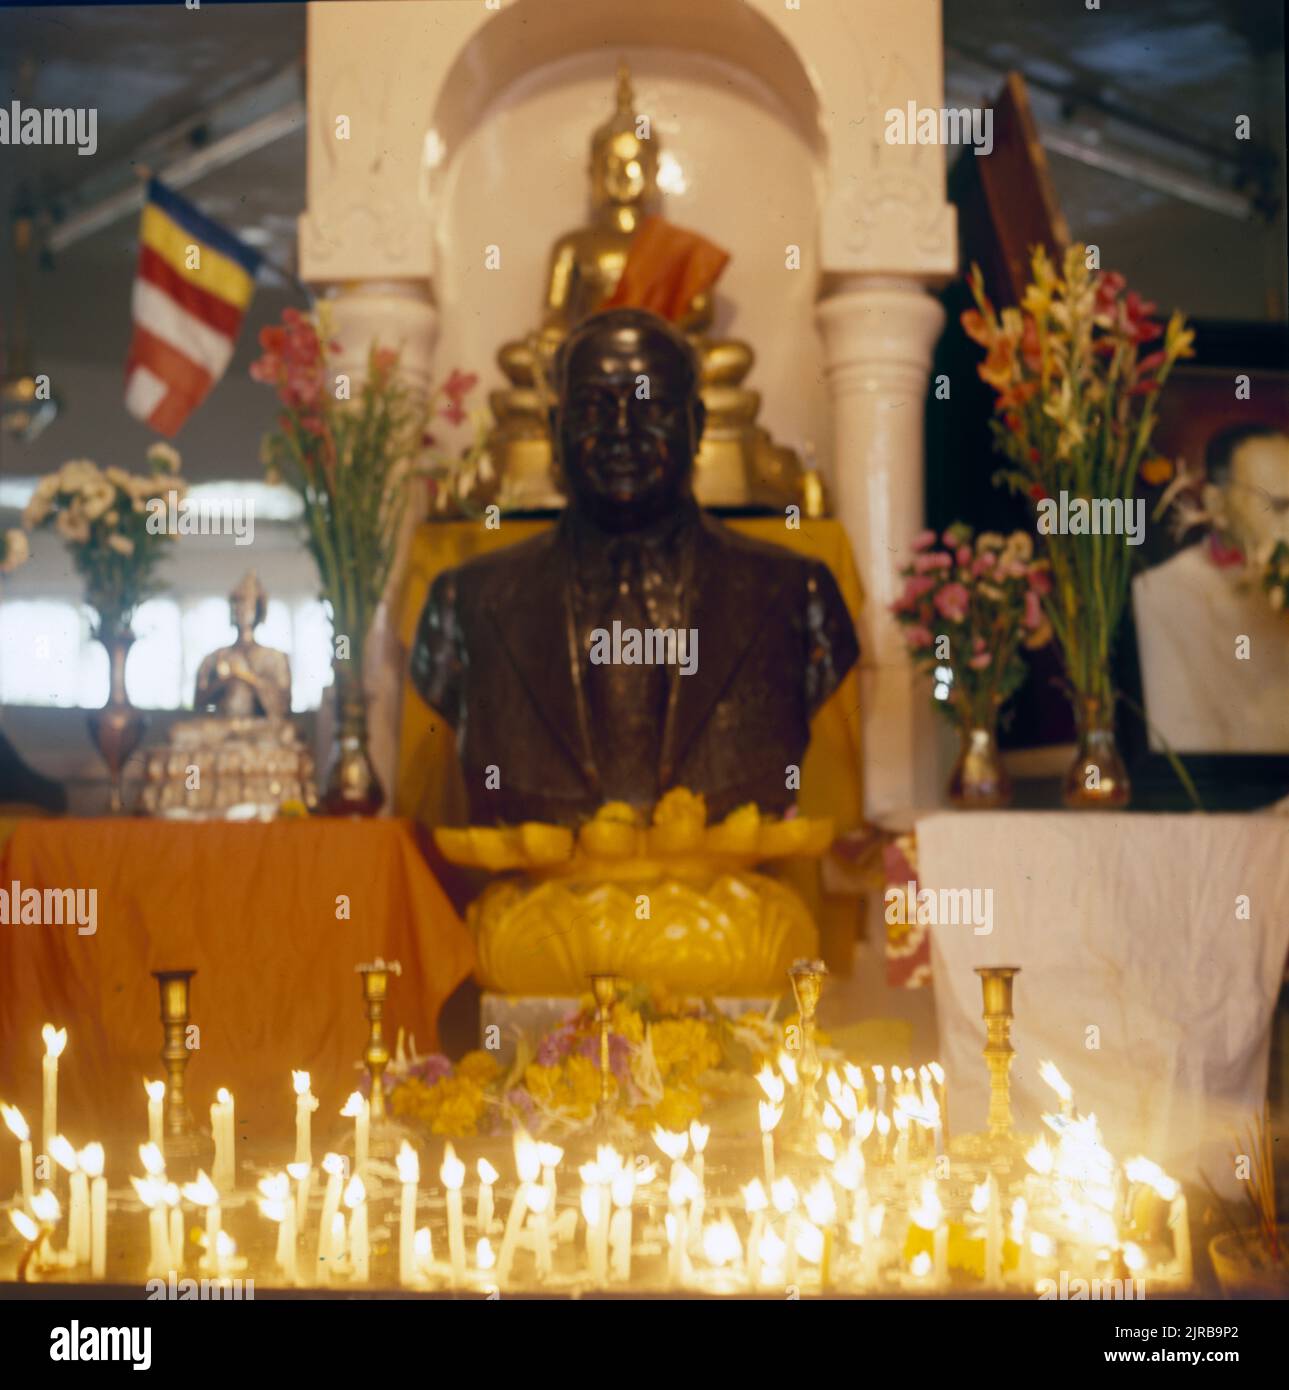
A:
(1050, 1073)
(305, 1104)
(901, 1146)
(149, 1190)
(821, 1207)
(942, 1095)
(204, 1193)
(879, 1075)
(359, 1253)
(334, 1167)
(883, 1127)
(550, 1155)
(302, 1175)
(452, 1172)
(528, 1165)
(593, 1212)
(91, 1160)
(225, 1251)
(170, 1196)
(539, 1201)
(45, 1208)
(483, 1207)
(770, 1116)
(1179, 1222)
(993, 1234)
(55, 1040)
(756, 1202)
(336, 1241)
(623, 1191)
(484, 1257)
(359, 1108)
(18, 1128)
(1020, 1237)
(423, 1253)
(783, 1193)
(224, 1171)
(278, 1205)
(409, 1174)
(698, 1136)
(156, 1093)
(78, 1215)
(872, 1245)
(771, 1253)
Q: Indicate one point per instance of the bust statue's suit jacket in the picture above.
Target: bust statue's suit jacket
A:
(496, 655)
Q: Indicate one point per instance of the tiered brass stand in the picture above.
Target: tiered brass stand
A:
(801, 1133)
(181, 1138)
(998, 1146)
(386, 1134)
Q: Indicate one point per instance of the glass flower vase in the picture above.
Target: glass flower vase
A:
(979, 782)
(1097, 778)
(352, 787)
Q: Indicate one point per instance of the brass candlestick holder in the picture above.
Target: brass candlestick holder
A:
(998, 1146)
(386, 1134)
(181, 1139)
(607, 1126)
(807, 979)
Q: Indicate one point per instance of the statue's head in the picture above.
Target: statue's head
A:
(624, 165)
(628, 418)
(247, 604)
(1249, 466)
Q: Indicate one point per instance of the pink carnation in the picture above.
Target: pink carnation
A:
(923, 539)
(952, 602)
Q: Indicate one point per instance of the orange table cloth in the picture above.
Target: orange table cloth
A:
(253, 908)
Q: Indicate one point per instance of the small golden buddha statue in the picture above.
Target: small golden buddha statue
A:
(240, 756)
(738, 462)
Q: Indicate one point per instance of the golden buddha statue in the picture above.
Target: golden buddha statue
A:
(738, 463)
(240, 756)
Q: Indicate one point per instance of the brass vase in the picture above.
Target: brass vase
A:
(116, 728)
(979, 781)
(353, 788)
(1097, 778)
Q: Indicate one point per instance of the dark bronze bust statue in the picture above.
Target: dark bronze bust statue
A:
(639, 644)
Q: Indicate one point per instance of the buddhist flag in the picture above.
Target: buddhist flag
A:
(194, 282)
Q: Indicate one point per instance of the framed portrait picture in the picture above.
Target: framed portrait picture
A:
(1204, 658)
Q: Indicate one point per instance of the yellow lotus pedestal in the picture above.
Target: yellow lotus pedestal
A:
(676, 904)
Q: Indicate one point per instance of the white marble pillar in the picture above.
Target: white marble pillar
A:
(878, 334)
(395, 314)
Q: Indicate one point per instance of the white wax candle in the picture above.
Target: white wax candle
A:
(539, 1202)
(767, 1154)
(302, 1174)
(289, 1270)
(483, 1207)
(510, 1237)
(98, 1227)
(359, 1254)
(333, 1166)
(594, 1203)
(993, 1236)
(222, 1124)
(1179, 1220)
(49, 1111)
(305, 1104)
(452, 1173)
(214, 1224)
(620, 1241)
(28, 1171)
(156, 1092)
(176, 1237)
(78, 1217)
(158, 1242)
(407, 1234)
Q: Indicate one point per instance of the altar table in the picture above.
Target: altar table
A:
(1139, 977)
(253, 908)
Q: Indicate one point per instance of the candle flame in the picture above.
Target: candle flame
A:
(45, 1207)
(55, 1040)
(854, 1076)
(1039, 1156)
(832, 1120)
(487, 1173)
(698, 1135)
(883, 1123)
(202, 1192)
(153, 1160)
(355, 1192)
(770, 1115)
(821, 1204)
(484, 1257)
(772, 1249)
(937, 1072)
(864, 1125)
(91, 1159)
(156, 1089)
(771, 1084)
(149, 1190)
(300, 1082)
(684, 1185)
(26, 1227)
(754, 1198)
(333, 1165)
(539, 1198)
(223, 1096)
(1134, 1257)
(876, 1217)
(276, 1187)
(170, 1194)
(62, 1153)
(848, 1104)
(920, 1265)
(225, 1246)
(721, 1245)
(354, 1106)
(849, 1170)
(929, 1211)
(451, 1170)
(591, 1197)
(833, 1083)
(879, 1074)
(549, 1154)
(674, 1144)
(1049, 1072)
(623, 1188)
(1041, 1244)
(783, 1193)
(527, 1162)
(980, 1198)
(17, 1125)
(1145, 1170)
(827, 1147)
(422, 1247)
(810, 1242)
(298, 1171)
(408, 1163)
(788, 1066)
